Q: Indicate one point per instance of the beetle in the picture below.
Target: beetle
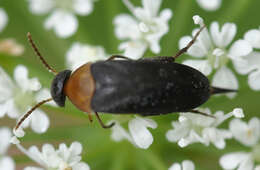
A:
(148, 87)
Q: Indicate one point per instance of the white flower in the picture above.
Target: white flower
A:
(80, 54)
(18, 96)
(3, 19)
(250, 64)
(142, 30)
(62, 159)
(11, 47)
(62, 18)
(209, 5)
(211, 52)
(185, 165)
(138, 133)
(193, 128)
(6, 162)
(247, 134)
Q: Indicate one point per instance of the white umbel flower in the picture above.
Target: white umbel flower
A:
(6, 162)
(62, 18)
(80, 54)
(248, 135)
(250, 64)
(191, 128)
(18, 96)
(3, 19)
(210, 51)
(138, 133)
(210, 5)
(62, 159)
(185, 165)
(142, 30)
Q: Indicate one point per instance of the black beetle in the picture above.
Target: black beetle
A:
(151, 86)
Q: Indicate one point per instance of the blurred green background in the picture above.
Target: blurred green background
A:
(68, 124)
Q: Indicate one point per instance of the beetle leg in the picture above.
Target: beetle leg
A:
(102, 124)
(117, 56)
(90, 117)
(201, 113)
(185, 49)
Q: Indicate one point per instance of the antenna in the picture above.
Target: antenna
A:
(39, 54)
(30, 111)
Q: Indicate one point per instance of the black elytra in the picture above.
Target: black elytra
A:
(147, 86)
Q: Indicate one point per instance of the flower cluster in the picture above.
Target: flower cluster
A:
(143, 30)
(248, 135)
(62, 159)
(62, 18)
(18, 96)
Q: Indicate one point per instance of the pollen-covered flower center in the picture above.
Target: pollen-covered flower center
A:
(218, 60)
(66, 5)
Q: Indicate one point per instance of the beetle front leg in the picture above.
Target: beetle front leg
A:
(202, 113)
(185, 49)
(102, 124)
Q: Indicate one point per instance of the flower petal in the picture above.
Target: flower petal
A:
(7, 163)
(175, 166)
(225, 78)
(75, 148)
(40, 121)
(119, 133)
(83, 7)
(81, 166)
(44, 94)
(209, 5)
(3, 19)
(152, 6)
(223, 37)
(40, 6)
(138, 130)
(64, 23)
(201, 65)
(5, 136)
(253, 37)
(6, 86)
(32, 168)
(232, 160)
(254, 80)
(188, 165)
(133, 49)
(239, 49)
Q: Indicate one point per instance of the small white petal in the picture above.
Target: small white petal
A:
(232, 160)
(239, 48)
(175, 166)
(198, 20)
(141, 135)
(225, 78)
(152, 7)
(183, 142)
(238, 113)
(223, 37)
(40, 6)
(180, 131)
(253, 37)
(254, 80)
(39, 121)
(209, 5)
(7, 163)
(64, 23)
(81, 166)
(201, 65)
(19, 132)
(83, 7)
(188, 165)
(133, 49)
(32, 168)
(3, 19)
(44, 94)
(14, 140)
(5, 136)
(248, 63)
(119, 133)
(75, 148)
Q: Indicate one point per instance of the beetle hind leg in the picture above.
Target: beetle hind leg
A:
(102, 124)
(201, 113)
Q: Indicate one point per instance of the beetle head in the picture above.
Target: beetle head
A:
(57, 86)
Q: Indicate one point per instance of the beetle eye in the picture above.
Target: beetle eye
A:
(57, 87)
